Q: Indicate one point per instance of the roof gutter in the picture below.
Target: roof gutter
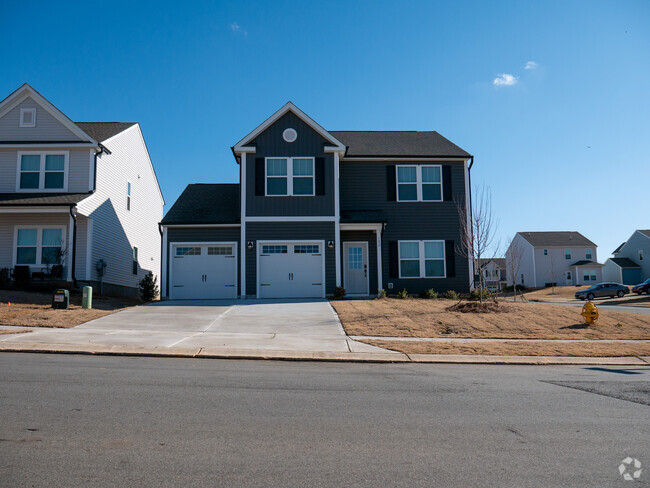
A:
(102, 149)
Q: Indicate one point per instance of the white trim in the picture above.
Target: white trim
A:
(468, 213)
(70, 243)
(23, 111)
(288, 241)
(25, 91)
(290, 176)
(39, 245)
(56, 145)
(191, 226)
(165, 265)
(418, 182)
(175, 244)
(398, 159)
(37, 210)
(373, 227)
(242, 238)
(89, 248)
(363, 244)
(291, 219)
(245, 149)
(91, 169)
(41, 173)
(337, 222)
(279, 113)
(422, 260)
(380, 278)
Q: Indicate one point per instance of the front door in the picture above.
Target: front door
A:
(355, 268)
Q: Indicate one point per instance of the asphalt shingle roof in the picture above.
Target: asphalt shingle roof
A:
(559, 238)
(40, 199)
(624, 263)
(398, 143)
(619, 248)
(586, 262)
(206, 204)
(645, 232)
(500, 262)
(100, 131)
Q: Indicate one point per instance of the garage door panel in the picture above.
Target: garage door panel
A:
(204, 271)
(291, 270)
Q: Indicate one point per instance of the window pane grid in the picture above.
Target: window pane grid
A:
(306, 249)
(188, 251)
(419, 183)
(298, 181)
(271, 249)
(51, 166)
(220, 251)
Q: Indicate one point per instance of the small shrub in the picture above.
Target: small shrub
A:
(402, 294)
(511, 288)
(476, 294)
(339, 292)
(149, 287)
(4, 277)
(381, 293)
(451, 295)
(429, 294)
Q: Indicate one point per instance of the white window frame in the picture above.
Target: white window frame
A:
(418, 181)
(41, 177)
(129, 187)
(39, 243)
(567, 255)
(23, 111)
(422, 260)
(290, 176)
(589, 254)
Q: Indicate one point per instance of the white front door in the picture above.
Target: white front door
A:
(355, 268)
(291, 269)
(203, 271)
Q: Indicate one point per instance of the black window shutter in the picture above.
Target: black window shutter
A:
(393, 260)
(446, 183)
(450, 259)
(259, 177)
(320, 176)
(390, 183)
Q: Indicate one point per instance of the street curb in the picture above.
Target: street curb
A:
(220, 353)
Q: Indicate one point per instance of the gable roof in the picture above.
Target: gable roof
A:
(205, 204)
(289, 107)
(645, 232)
(586, 262)
(618, 248)
(398, 143)
(624, 263)
(100, 131)
(500, 262)
(557, 239)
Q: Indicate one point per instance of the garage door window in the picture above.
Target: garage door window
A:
(308, 249)
(274, 249)
(220, 251)
(188, 251)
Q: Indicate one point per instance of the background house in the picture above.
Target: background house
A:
(563, 258)
(494, 274)
(75, 195)
(631, 262)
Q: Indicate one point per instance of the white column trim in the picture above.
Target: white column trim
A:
(337, 222)
(69, 260)
(242, 194)
(380, 278)
(165, 266)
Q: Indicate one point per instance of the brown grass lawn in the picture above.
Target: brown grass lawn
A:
(559, 292)
(10, 331)
(390, 317)
(34, 309)
(518, 348)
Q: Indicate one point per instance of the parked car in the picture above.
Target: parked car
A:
(642, 287)
(603, 290)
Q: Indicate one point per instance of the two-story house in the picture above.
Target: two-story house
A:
(552, 258)
(494, 274)
(631, 262)
(79, 201)
(317, 209)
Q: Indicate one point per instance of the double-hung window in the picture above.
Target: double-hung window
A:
(567, 254)
(422, 259)
(42, 171)
(39, 245)
(587, 253)
(289, 176)
(419, 183)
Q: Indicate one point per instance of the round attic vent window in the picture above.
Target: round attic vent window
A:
(289, 135)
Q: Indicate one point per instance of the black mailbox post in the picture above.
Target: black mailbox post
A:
(61, 299)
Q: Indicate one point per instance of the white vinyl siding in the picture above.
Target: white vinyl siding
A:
(47, 128)
(45, 171)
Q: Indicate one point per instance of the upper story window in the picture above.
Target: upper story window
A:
(421, 259)
(545, 252)
(419, 183)
(567, 254)
(128, 195)
(289, 176)
(28, 117)
(42, 171)
(587, 253)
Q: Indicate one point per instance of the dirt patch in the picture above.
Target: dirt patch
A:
(414, 317)
(478, 307)
(34, 309)
(518, 348)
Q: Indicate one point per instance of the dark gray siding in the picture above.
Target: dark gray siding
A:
(261, 231)
(363, 186)
(203, 234)
(371, 239)
(271, 144)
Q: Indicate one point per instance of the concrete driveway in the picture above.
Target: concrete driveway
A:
(306, 326)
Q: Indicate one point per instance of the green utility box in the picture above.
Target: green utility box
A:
(87, 297)
(61, 299)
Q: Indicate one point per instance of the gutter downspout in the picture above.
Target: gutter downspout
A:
(73, 214)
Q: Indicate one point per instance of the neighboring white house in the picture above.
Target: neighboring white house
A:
(74, 195)
(562, 258)
(631, 262)
(494, 273)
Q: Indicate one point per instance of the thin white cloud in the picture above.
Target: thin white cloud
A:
(505, 79)
(235, 27)
(531, 65)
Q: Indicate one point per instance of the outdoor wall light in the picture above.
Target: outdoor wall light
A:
(330, 244)
(249, 244)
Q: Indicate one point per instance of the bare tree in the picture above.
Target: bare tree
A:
(514, 255)
(477, 229)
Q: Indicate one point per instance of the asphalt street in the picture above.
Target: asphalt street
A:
(72, 421)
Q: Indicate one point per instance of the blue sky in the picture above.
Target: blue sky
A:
(563, 145)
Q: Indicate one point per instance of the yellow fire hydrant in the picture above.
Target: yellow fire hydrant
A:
(589, 312)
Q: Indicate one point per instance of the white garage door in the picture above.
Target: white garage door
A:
(204, 271)
(291, 270)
